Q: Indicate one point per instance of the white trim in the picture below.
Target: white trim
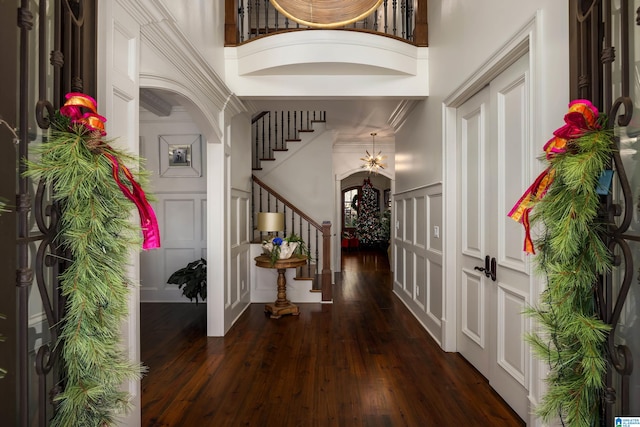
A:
(422, 187)
(523, 42)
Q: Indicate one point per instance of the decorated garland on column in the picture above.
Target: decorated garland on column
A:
(94, 188)
(566, 200)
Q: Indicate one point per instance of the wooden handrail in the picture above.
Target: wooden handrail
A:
(323, 259)
(287, 203)
(259, 116)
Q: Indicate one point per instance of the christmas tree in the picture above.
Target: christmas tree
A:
(368, 226)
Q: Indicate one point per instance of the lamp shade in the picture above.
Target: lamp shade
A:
(270, 221)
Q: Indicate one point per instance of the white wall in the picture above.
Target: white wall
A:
(463, 38)
(325, 63)
(304, 174)
(180, 204)
(202, 22)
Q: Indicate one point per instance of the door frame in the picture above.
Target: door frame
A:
(525, 42)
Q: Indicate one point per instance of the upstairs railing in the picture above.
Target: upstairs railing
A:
(246, 20)
(271, 131)
(316, 236)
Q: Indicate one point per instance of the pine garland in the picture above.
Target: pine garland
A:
(96, 230)
(571, 256)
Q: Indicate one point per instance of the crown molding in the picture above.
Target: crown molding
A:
(400, 114)
(154, 103)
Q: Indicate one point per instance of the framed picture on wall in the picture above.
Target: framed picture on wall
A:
(180, 155)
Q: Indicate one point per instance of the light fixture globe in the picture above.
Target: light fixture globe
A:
(326, 13)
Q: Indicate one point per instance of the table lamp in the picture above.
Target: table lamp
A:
(270, 222)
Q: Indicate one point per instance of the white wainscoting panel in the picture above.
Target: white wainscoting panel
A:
(512, 353)
(418, 255)
(473, 305)
(238, 287)
(182, 219)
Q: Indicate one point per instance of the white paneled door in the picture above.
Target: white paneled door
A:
(494, 278)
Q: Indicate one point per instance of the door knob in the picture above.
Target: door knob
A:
(490, 267)
(487, 267)
(494, 268)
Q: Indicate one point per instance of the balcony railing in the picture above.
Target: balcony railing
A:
(247, 20)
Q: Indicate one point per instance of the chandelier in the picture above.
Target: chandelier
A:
(373, 162)
(326, 14)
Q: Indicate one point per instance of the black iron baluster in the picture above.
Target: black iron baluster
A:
(410, 21)
(282, 130)
(262, 138)
(318, 263)
(258, 31)
(275, 131)
(403, 11)
(266, 16)
(270, 150)
(295, 125)
(241, 19)
(284, 213)
(308, 242)
(395, 17)
(261, 209)
(386, 15)
(375, 21)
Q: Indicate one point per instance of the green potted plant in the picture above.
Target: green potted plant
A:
(192, 279)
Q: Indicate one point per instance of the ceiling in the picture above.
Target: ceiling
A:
(351, 120)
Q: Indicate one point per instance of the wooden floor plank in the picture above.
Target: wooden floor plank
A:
(362, 361)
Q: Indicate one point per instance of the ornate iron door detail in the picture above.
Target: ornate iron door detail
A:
(56, 56)
(603, 33)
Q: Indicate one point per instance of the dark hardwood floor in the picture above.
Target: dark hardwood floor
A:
(362, 361)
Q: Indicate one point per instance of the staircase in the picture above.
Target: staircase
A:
(276, 132)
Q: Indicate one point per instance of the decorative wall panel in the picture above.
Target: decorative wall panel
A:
(473, 303)
(418, 260)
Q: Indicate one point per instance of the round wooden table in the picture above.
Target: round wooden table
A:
(282, 305)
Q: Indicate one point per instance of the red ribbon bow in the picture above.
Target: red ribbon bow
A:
(73, 108)
(581, 118)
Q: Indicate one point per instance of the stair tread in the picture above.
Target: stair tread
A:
(280, 149)
(268, 159)
(306, 130)
(293, 140)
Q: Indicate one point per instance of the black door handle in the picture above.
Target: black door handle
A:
(494, 268)
(487, 267)
(490, 267)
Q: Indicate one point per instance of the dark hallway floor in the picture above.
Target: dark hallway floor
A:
(362, 361)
